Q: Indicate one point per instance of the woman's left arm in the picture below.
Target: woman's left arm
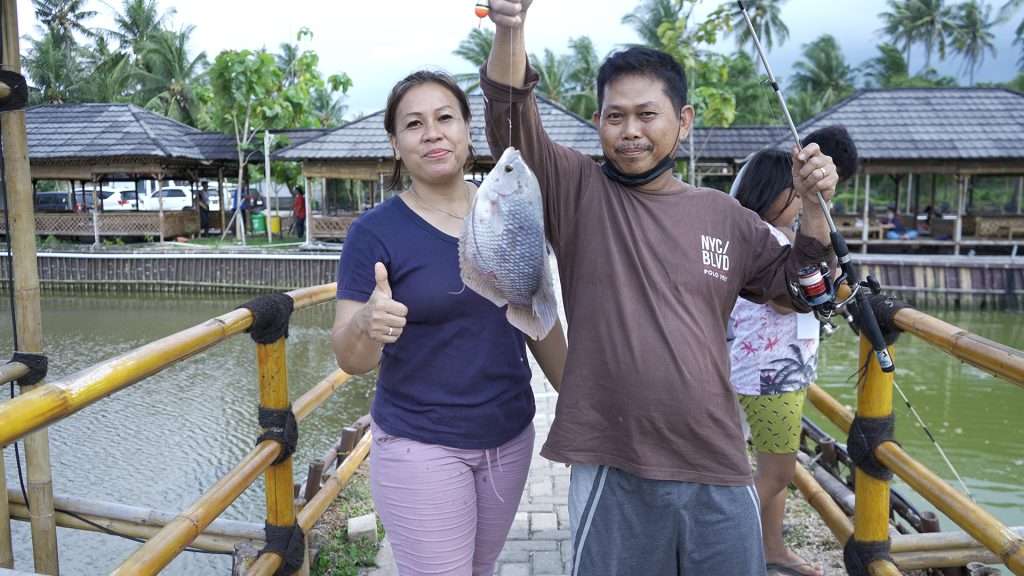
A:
(550, 354)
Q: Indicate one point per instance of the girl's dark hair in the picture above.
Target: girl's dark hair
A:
(767, 175)
(399, 91)
(836, 142)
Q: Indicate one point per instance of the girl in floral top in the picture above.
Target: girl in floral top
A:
(774, 354)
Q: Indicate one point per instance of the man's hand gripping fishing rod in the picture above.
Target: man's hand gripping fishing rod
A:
(816, 288)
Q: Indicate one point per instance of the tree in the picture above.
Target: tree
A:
(889, 70)
(899, 25)
(767, 21)
(823, 72)
(933, 24)
(169, 75)
(1007, 12)
(882, 70)
(113, 75)
(249, 95)
(328, 108)
(64, 18)
(583, 68)
(759, 103)
(554, 75)
(475, 49)
(973, 36)
(55, 69)
(650, 15)
(137, 23)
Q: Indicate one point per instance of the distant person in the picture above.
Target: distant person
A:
(299, 212)
(898, 231)
(203, 204)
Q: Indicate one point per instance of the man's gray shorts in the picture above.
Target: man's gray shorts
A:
(623, 525)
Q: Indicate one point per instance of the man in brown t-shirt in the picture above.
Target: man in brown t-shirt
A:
(650, 269)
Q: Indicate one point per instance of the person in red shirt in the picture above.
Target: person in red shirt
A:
(299, 212)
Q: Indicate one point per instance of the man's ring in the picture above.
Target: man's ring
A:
(390, 331)
(823, 172)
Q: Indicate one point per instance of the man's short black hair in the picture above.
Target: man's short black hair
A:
(835, 141)
(643, 61)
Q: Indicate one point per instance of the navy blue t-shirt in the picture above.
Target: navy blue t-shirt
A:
(458, 376)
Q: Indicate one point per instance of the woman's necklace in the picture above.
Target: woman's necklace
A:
(425, 204)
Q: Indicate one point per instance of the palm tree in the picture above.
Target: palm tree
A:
(1005, 13)
(328, 109)
(648, 17)
(583, 67)
(55, 70)
(64, 18)
(973, 36)
(169, 75)
(554, 74)
(758, 105)
(899, 25)
(113, 75)
(136, 24)
(286, 60)
(765, 16)
(883, 70)
(823, 72)
(933, 25)
(475, 49)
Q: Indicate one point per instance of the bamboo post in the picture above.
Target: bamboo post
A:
(220, 199)
(96, 213)
(958, 231)
(874, 400)
(866, 232)
(279, 478)
(8, 372)
(27, 308)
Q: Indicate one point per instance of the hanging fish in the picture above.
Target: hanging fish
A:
(502, 252)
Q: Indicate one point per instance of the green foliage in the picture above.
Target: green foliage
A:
(822, 77)
(338, 556)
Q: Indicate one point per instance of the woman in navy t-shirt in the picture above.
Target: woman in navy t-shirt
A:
(453, 411)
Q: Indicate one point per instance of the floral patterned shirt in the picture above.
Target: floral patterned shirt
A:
(771, 353)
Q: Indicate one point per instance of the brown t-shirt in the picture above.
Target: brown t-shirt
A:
(648, 282)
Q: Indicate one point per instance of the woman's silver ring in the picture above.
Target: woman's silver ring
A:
(390, 331)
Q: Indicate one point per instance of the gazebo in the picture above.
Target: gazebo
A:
(958, 147)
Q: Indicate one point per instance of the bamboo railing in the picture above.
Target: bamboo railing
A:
(871, 514)
(48, 403)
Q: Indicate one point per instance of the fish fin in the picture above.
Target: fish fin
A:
(545, 304)
(523, 318)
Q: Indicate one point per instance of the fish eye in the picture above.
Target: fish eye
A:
(508, 168)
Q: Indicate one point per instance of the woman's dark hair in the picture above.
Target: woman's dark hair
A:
(643, 61)
(767, 175)
(411, 81)
(836, 142)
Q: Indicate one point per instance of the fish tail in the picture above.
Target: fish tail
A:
(524, 319)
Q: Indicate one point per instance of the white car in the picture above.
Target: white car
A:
(174, 199)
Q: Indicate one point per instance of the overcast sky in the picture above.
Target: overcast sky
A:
(378, 42)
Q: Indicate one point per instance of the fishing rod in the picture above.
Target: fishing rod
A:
(815, 285)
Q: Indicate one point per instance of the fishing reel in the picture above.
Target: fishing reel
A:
(816, 289)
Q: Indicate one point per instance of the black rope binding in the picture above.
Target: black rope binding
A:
(866, 434)
(281, 427)
(37, 367)
(289, 542)
(885, 309)
(857, 556)
(270, 315)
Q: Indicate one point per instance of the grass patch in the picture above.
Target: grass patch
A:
(259, 240)
(338, 556)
